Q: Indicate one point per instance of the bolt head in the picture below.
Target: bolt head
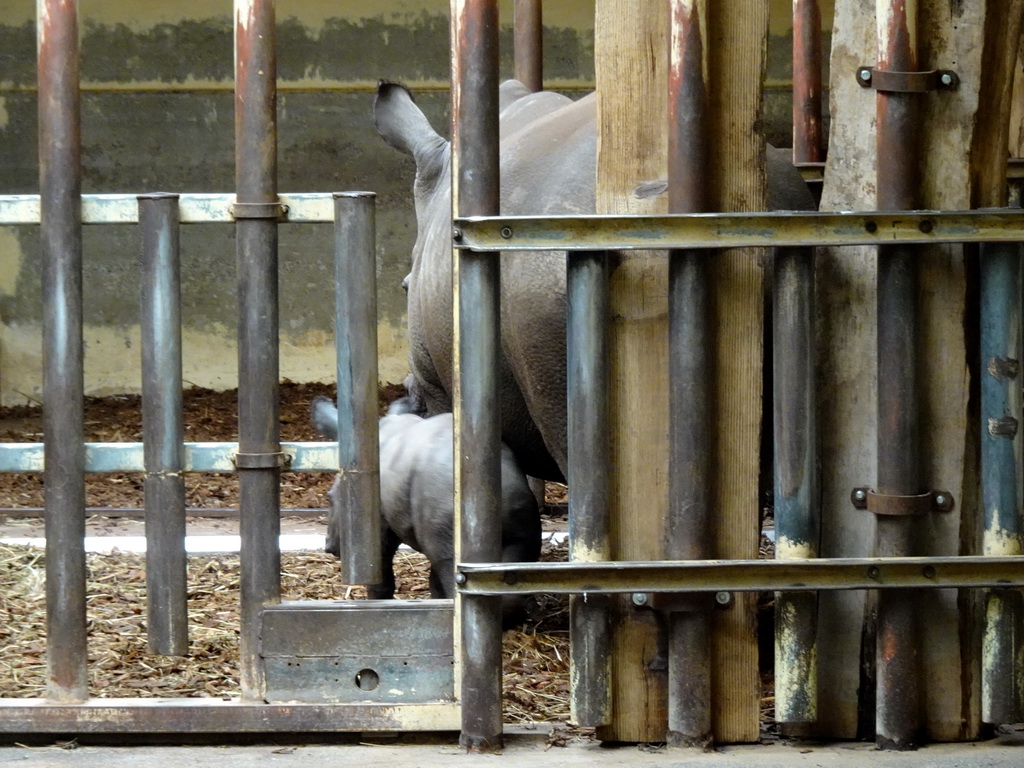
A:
(940, 499)
(859, 494)
(460, 578)
(947, 79)
(639, 598)
(723, 598)
(864, 74)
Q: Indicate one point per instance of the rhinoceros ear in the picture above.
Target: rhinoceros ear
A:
(403, 125)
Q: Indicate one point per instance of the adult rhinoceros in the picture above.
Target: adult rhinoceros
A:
(548, 166)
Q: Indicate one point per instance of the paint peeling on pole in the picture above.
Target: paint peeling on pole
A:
(898, 694)
(256, 214)
(476, 191)
(808, 145)
(60, 187)
(690, 376)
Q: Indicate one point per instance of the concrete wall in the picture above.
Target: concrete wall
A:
(157, 114)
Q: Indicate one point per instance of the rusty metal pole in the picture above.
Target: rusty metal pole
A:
(257, 210)
(587, 320)
(476, 192)
(897, 717)
(807, 134)
(690, 376)
(60, 188)
(163, 430)
(796, 483)
(528, 67)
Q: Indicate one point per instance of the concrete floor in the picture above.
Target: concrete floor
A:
(522, 750)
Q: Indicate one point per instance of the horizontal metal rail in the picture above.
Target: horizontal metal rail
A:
(212, 208)
(739, 575)
(165, 716)
(735, 230)
(199, 457)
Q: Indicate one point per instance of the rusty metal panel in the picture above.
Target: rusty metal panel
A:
(192, 716)
(382, 651)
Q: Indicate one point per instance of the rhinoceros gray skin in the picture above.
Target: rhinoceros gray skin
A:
(548, 167)
(417, 490)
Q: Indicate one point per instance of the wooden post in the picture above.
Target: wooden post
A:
(631, 65)
(846, 300)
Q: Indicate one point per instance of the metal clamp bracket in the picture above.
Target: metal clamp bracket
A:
(890, 81)
(261, 460)
(919, 504)
(275, 210)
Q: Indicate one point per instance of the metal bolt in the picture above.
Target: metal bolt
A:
(506, 232)
(925, 226)
(284, 210)
(947, 78)
(723, 598)
(460, 578)
(940, 500)
(457, 234)
(928, 571)
(865, 75)
(874, 572)
(859, 494)
(871, 226)
(639, 598)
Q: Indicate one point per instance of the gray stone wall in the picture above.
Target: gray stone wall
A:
(157, 115)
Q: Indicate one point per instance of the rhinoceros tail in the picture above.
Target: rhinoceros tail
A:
(325, 417)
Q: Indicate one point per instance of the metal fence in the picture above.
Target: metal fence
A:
(474, 704)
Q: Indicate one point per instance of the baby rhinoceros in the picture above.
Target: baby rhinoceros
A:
(417, 489)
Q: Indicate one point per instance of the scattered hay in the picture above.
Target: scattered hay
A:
(536, 660)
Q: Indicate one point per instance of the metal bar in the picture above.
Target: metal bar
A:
(199, 457)
(139, 513)
(1002, 683)
(163, 427)
(690, 374)
(355, 269)
(195, 208)
(807, 129)
(60, 184)
(600, 232)
(528, 66)
(796, 483)
(477, 192)
(191, 716)
(735, 230)
(588, 475)
(898, 692)
(884, 573)
(258, 407)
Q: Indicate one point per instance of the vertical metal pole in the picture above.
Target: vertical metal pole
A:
(589, 460)
(259, 449)
(60, 187)
(163, 430)
(796, 482)
(528, 67)
(1002, 683)
(690, 376)
(355, 266)
(807, 133)
(478, 435)
(898, 694)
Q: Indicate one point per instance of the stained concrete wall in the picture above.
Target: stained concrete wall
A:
(157, 114)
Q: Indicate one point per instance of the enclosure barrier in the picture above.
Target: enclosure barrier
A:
(257, 209)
